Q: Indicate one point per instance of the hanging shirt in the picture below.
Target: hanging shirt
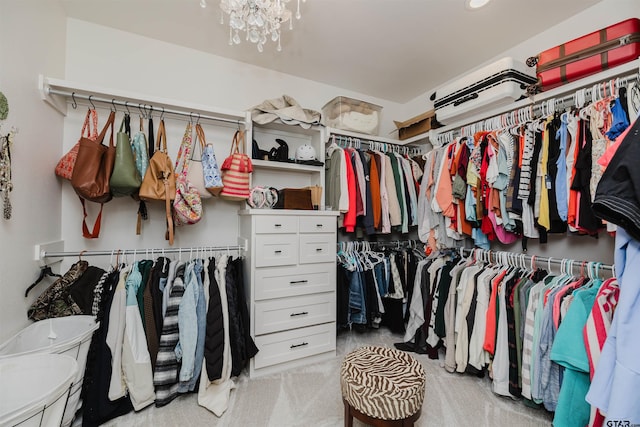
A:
(136, 362)
(385, 220)
(395, 213)
(411, 188)
(615, 385)
(350, 216)
(336, 192)
(569, 351)
(545, 183)
(561, 163)
(374, 185)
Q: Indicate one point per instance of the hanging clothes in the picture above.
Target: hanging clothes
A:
(616, 377)
(97, 408)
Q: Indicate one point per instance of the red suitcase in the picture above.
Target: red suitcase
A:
(587, 55)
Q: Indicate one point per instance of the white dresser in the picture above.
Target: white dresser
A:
(291, 286)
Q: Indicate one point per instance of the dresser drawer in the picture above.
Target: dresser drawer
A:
(273, 250)
(317, 224)
(317, 248)
(288, 281)
(276, 224)
(294, 312)
(295, 344)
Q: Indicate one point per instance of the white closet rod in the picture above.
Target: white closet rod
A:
(375, 145)
(495, 256)
(366, 244)
(142, 107)
(160, 251)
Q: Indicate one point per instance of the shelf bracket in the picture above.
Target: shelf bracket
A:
(55, 101)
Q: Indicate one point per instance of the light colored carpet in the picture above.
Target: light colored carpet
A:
(310, 396)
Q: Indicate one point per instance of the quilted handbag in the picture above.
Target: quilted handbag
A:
(236, 171)
(125, 179)
(64, 168)
(159, 181)
(187, 206)
(195, 174)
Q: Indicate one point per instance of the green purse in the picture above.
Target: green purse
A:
(125, 179)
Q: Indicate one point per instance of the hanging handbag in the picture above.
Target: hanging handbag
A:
(159, 181)
(91, 174)
(141, 155)
(195, 174)
(64, 168)
(94, 165)
(125, 179)
(187, 206)
(211, 170)
(236, 171)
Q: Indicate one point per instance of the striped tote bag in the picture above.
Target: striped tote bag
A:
(236, 171)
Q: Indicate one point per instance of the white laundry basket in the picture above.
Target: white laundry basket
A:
(35, 389)
(70, 335)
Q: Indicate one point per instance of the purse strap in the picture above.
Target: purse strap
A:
(199, 138)
(126, 123)
(167, 205)
(237, 145)
(152, 143)
(184, 153)
(108, 125)
(95, 233)
(162, 138)
(88, 131)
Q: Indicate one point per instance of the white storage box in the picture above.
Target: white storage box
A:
(493, 86)
(352, 115)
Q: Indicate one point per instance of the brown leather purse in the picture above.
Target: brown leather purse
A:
(159, 181)
(92, 171)
(91, 174)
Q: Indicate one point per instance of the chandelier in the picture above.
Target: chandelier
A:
(260, 20)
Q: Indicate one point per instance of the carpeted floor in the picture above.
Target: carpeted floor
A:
(310, 396)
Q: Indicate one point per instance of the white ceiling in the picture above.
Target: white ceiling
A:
(389, 49)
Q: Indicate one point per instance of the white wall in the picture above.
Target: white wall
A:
(602, 14)
(121, 60)
(32, 41)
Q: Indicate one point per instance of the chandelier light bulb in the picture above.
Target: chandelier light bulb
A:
(203, 3)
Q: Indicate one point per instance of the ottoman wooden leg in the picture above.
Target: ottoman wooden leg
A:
(348, 416)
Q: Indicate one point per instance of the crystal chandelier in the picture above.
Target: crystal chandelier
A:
(260, 20)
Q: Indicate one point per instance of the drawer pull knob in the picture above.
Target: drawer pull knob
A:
(318, 225)
(277, 225)
(299, 345)
(318, 249)
(277, 252)
(293, 282)
(302, 313)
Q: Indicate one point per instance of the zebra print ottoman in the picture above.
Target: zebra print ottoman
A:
(382, 383)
